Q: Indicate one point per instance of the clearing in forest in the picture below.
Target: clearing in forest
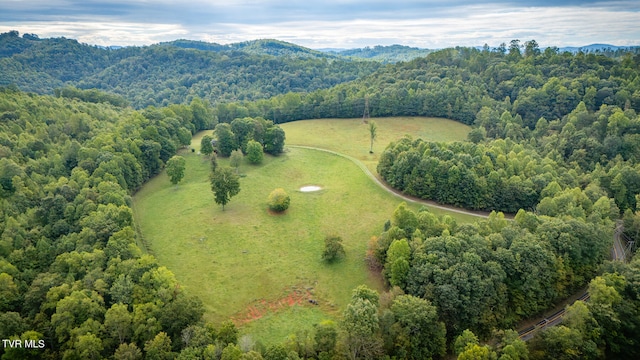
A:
(258, 268)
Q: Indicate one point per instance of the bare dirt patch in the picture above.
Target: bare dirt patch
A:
(261, 307)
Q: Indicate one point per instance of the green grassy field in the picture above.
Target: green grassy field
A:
(258, 268)
(351, 136)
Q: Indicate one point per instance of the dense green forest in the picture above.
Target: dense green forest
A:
(506, 175)
(172, 73)
(458, 82)
(71, 271)
(488, 275)
(556, 141)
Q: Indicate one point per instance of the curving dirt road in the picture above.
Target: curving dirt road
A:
(382, 184)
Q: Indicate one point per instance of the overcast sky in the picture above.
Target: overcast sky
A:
(329, 23)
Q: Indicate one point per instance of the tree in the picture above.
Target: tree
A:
(514, 50)
(231, 352)
(511, 346)
(8, 291)
(561, 342)
(202, 116)
(87, 346)
(226, 139)
(159, 348)
(175, 169)
(278, 200)
(225, 184)
(531, 48)
(326, 337)
(467, 337)
(228, 333)
(251, 355)
(476, 352)
(418, 320)
(477, 135)
(214, 162)
(274, 140)
(365, 293)
(8, 169)
(236, 159)
(117, 321)
(206, 147)
(128, 352)
(276, 352)
(333, 248)
(243, 131)
(24, 352)
(373, 133)
(255, 153)
(397, 266)
(360, 323)
(178, 314)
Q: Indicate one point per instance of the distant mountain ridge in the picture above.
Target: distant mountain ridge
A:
(596, 48)
(273, 47)
(177, 71)
(257, 47)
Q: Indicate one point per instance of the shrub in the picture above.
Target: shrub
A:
(333, 249)
(279, 200)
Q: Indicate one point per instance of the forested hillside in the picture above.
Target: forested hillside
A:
(457, 82)
(166, 74)
(489, 275)
(556, 141)
(71, 273)
(386, 54)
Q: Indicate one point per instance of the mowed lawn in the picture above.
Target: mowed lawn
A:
(259, 268)
(351, 136)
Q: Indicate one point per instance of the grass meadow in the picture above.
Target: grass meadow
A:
(260, 269)
(351, 136)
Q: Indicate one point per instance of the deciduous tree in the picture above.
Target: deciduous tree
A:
(226, 139)
(418, 320)
(127, 352)
(360, 323)
(236, 159)
(175, 169)
(117, 321)
(326, 337)
(225, 184)
(159, 348)
(274, 140)
(467, 337)
(255, 153)
(206, 147)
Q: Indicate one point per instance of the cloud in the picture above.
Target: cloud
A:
(330, 23)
